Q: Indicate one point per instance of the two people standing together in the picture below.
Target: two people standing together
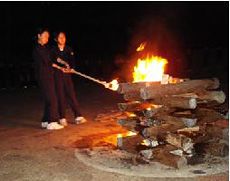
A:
(53, 67)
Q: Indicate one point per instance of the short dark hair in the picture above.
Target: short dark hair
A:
(42, 30)
(56, 34)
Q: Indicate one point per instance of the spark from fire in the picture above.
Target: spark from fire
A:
(141, 47)
(149, 69)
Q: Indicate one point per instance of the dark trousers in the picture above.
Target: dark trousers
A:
(66, 94)
(47, 86)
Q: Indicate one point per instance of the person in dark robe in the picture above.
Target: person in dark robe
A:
(63, 61)
(45, 77)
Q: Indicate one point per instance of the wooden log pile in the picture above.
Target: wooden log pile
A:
(174, 122)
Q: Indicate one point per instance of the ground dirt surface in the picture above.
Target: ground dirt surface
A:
(29, 153)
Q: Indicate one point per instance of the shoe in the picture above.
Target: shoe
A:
(63, 122)
(44, 124)
(80, 120)
(54, 126)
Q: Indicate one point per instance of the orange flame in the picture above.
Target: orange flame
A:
(119, 135)
(130, 114)
(149, 69)
(129, 133)
(141, 47)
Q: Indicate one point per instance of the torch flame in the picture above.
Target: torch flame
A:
(113, 85)
(149, 69)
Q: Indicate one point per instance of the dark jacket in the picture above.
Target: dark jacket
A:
(67, 55)
(42, 61)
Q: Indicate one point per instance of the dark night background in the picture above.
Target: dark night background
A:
(193, 36)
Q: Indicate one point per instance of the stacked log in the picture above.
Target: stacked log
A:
(174, 122)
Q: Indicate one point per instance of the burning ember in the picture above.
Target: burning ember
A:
(150, 69)
(120, 137)
(129, 133)
(129, 114)
(150, 143)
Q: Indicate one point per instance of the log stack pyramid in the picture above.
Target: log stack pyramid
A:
(175, 124)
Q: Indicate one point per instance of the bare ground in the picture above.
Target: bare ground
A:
(30, 153)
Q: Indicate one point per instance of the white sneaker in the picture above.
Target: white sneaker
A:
(54, 126)
(44, 124)
(63, 122)
(80, 120)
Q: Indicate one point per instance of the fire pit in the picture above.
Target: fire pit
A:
(171, 124)
(179, 135)
(174, 123)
